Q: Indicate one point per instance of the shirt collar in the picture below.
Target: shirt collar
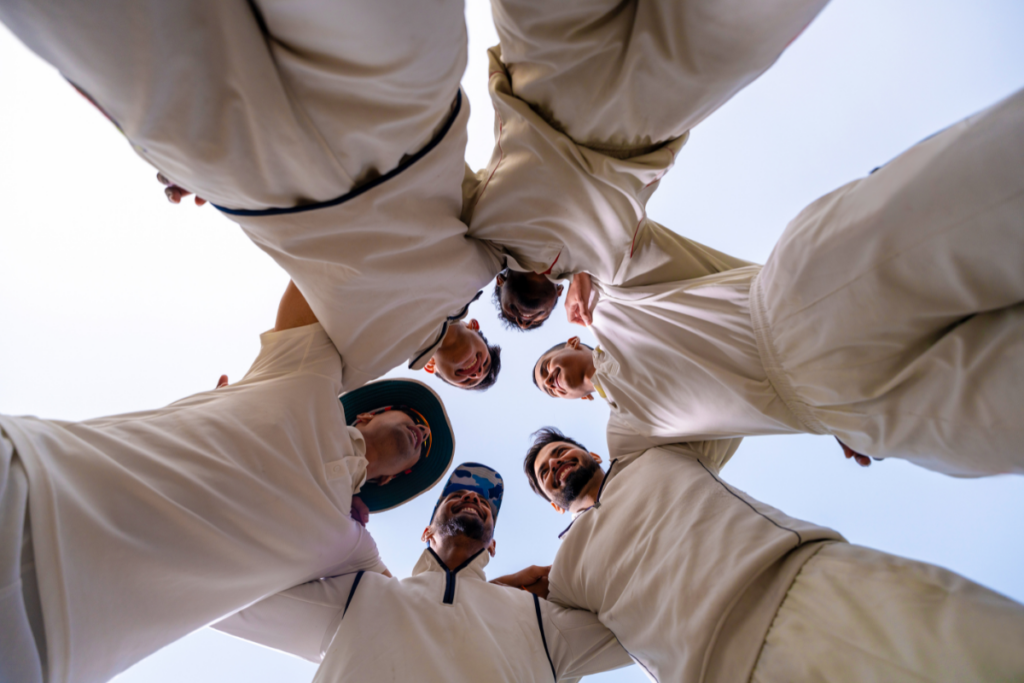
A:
(426, 354)
(429, 562)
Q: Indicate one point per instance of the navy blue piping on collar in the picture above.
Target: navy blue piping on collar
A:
(799, 538)
(362, 188)
(543, 639)
(597, 501)
(444, 329)
(352, 592)
(449, 574)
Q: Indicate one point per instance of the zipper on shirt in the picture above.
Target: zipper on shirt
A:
(449, 575)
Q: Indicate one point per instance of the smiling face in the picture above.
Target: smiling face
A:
(526, 299)
(463, 359)
(563, 471)
(565, 372)
(464, 513)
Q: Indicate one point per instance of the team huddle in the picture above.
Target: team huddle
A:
(890, 315)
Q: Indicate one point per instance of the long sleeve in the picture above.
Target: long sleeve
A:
(579, 644)
(300, 621)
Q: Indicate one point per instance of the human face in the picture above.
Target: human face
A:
(527, 299)
(465, 513)
(563, 471)
(566, 372)
(396, 438)
(463, 359)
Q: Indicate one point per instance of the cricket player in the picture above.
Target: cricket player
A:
(593, 103)
(700, 582)
(119, 535)
(333, 134)
(890, 315)
(445, 622)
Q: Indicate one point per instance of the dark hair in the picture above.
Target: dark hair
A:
(533, 373)
(541, 438)
(507, 322)
(511, 323)
(492, 373)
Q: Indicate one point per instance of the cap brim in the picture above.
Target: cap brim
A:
(427, 471)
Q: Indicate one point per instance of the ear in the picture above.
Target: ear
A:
(596, 457)
(382, 480)
(363, 418)
(492, 547)
(587, 397)
(573, 343)
(559, 510)
(473, 325)
(428, 534)
(500, 279)
(558, 290)
(431, 366)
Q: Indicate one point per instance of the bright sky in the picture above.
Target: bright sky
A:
(115, 301)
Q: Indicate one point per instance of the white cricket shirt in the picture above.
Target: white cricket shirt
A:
(685, 570)
(437, 625)
(150, 525)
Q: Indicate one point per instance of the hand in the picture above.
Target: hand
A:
(532, 579)
(577, 301)
(174, 193)
(222, 382)
(360, 512)
(862, 460)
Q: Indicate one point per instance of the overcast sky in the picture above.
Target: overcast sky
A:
(114, 301)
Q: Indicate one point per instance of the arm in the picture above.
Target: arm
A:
(299, 621)
(579, 644)
(293, 310)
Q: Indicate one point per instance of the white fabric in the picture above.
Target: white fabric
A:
(855, 614)
(560, 208)
(623, 76)
(669, 552)
(691, 345)
(890, 311)
(401, 630)
(335, 96)
(20, 658)
(890, 315)
(150, 525)
(389, 270)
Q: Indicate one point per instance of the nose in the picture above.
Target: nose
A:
(424, 431)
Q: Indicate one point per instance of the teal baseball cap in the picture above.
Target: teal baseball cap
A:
(481, 479)
(424, 406)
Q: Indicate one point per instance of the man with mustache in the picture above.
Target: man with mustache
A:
(701, 582)
(445, 622)
(122, 534)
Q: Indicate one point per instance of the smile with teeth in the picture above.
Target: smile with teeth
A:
(467, 507)
(563, 472)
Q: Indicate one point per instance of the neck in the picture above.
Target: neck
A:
(451, 337)
(455, 550)
(588, 497)
(372, 455)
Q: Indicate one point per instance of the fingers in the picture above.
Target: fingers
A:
(538, 588)
(222, 381)
(360, 512)
(174, 193)
(859, 458)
